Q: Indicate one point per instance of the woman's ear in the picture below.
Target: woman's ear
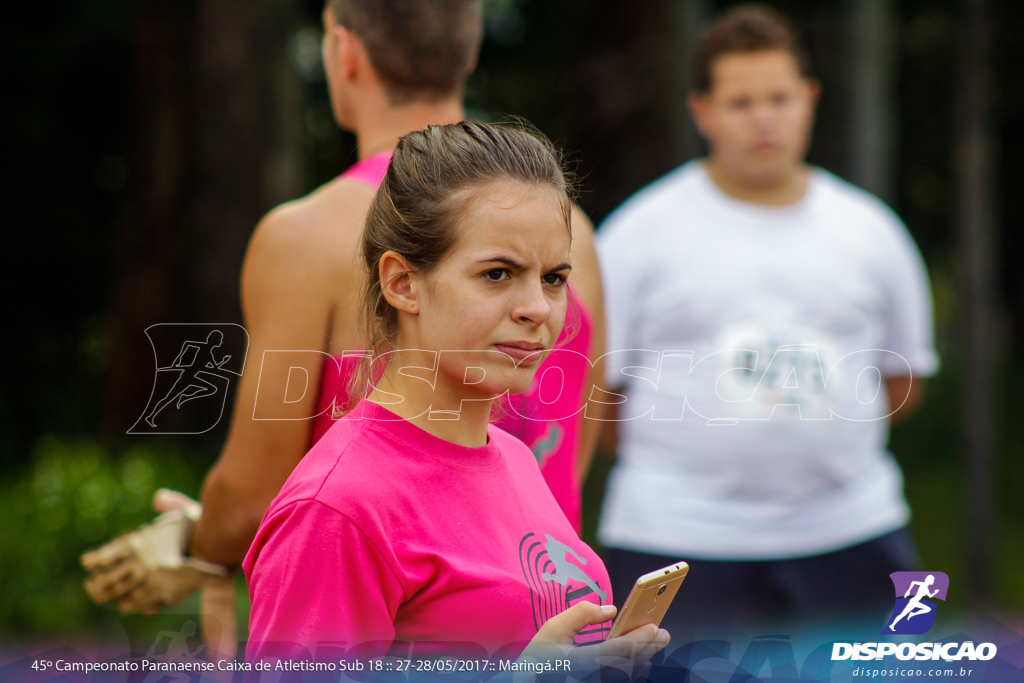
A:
(397, 282)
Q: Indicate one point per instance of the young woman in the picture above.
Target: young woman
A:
(413, 518)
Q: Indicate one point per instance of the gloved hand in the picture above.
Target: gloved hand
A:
(147, 569)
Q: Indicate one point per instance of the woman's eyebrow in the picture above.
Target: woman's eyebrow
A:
(512, 263)
(507, 260)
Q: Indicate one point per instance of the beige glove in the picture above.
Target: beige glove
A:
(147, 569)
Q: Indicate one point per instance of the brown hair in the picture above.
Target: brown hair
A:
(417, 208)
(420, 49)
(746, 28)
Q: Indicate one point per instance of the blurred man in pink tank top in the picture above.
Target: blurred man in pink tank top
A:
(392, 68)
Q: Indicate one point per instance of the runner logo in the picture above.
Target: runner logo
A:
(554, 571)
(914, 612)
(195, 364)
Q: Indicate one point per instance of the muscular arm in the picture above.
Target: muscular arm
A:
(289, 285)
(586, 283)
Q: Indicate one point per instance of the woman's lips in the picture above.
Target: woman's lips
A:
(520, 351)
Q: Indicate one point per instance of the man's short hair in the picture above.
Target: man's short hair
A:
(745, 29)
(420, 49)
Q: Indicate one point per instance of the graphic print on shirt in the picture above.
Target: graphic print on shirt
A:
(557, 580)
(765, 367)
(548, 443)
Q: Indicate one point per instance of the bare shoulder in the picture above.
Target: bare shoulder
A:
(303, 255)
(582, 227)
(315, 236)
(586, 278)
(322, 226)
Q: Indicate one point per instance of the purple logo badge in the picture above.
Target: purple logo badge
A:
(914, 612)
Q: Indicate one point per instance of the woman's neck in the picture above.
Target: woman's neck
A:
(422, 397)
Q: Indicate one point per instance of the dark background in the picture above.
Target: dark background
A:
(144, 139)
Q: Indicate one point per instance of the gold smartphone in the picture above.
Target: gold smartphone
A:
(649, 599)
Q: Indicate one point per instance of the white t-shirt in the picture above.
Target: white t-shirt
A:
(751, 343)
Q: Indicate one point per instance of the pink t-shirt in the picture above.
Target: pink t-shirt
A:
(386, 533)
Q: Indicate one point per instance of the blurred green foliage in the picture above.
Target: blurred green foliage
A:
(73, 497)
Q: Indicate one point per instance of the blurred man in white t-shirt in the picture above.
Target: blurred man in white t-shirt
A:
(766, 322)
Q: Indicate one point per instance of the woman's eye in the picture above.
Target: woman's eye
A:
(554, 279)
(496, 275)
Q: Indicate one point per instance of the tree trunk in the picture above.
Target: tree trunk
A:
(209, 85)
(687, 22)
(624, 112)
(871, 111)
(976, 226)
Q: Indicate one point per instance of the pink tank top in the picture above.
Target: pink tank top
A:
(542, 417)
(371, 170)
(337, 370)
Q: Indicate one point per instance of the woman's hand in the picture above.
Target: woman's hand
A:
(629, 652)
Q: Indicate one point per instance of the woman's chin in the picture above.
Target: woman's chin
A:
(520, 381)
(515, 382)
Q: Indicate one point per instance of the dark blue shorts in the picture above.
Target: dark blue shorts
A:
(851, 582)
